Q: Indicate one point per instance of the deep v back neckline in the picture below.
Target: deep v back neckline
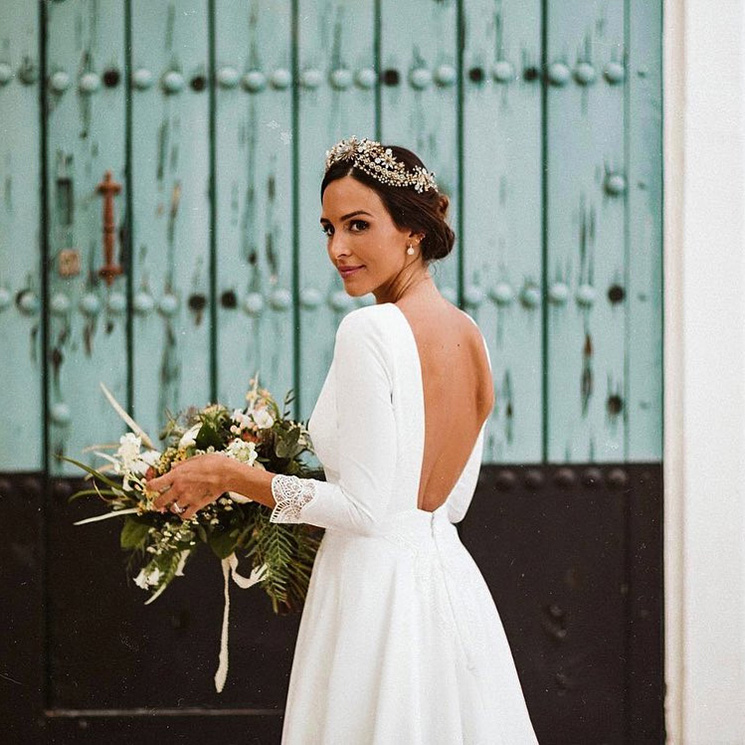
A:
(441, 507)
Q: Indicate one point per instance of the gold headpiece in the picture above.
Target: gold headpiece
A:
(380, 163)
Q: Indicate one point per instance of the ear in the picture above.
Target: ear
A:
(418, 237)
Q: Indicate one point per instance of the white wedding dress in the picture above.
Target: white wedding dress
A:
(400, 642)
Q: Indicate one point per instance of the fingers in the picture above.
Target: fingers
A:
(178, 502)
(189, 512)
(191, 508)
(178, 492)
(167, 491)
(169, 487)
(159, 482)
(163, 484)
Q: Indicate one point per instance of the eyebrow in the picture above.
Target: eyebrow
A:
(351, 214)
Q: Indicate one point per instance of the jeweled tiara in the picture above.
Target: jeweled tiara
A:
(380, 163)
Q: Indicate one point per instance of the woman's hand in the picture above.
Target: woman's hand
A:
(190, 484)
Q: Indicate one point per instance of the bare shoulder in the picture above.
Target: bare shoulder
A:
(446, 318)
(446, 328)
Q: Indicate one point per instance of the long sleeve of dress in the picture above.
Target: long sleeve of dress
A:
(367, 437)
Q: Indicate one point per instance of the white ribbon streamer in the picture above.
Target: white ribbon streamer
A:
(230, 568)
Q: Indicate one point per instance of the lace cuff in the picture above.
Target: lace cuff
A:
(291, 494)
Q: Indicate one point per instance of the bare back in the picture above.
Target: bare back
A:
(458, 395)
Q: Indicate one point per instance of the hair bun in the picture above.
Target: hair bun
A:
(444, 203)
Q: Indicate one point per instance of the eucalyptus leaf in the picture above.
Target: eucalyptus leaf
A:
(286, 444)
(134, 533)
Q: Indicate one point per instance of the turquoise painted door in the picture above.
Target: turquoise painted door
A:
(541, 119)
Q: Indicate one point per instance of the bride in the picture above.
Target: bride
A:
(400, 640)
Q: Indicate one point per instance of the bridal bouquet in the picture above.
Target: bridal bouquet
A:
(161, 543)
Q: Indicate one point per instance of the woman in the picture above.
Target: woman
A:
(400, 640)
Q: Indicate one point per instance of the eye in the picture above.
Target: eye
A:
(355, 226)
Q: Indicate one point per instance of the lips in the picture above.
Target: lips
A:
(346, 271)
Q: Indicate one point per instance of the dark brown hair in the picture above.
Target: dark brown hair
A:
(423, 212)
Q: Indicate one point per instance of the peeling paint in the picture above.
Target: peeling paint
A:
(586, 384)
(509, 413)
(163, 135)
(65, 202)
(8, 185)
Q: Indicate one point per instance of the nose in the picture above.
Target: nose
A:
(337, 247)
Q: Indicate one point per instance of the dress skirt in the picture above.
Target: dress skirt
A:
(400, 642)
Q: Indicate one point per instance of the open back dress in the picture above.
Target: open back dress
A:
(400, 641)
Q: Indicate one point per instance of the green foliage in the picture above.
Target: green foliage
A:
(208, 436)
(160, 543)
(134, 532)
(92, 471)
(92, 492)
(286, 551)
(224, 537)
(286, 443)
(214, 428)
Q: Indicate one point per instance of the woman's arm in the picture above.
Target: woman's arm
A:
(367, 448)
(196, 482)
(253, 483)
(366, 431)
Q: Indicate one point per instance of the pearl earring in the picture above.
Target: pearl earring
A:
(410, 249)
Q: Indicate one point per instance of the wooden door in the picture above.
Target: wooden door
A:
(542, 121)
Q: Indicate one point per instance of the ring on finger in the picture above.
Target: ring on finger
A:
(178, 509)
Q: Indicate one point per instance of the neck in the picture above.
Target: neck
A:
(417, 285)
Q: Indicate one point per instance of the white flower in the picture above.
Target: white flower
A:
(141, 580)
(129, 450)
(128, 460)
(147, 578)
(189, 437)
(139, 468)
(146, 460)
(243, 419)
(151, 457)
(263, 418)
(243, 451)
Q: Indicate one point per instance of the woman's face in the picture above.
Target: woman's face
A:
(362, 234)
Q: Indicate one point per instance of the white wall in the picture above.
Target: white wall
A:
(705, 371)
